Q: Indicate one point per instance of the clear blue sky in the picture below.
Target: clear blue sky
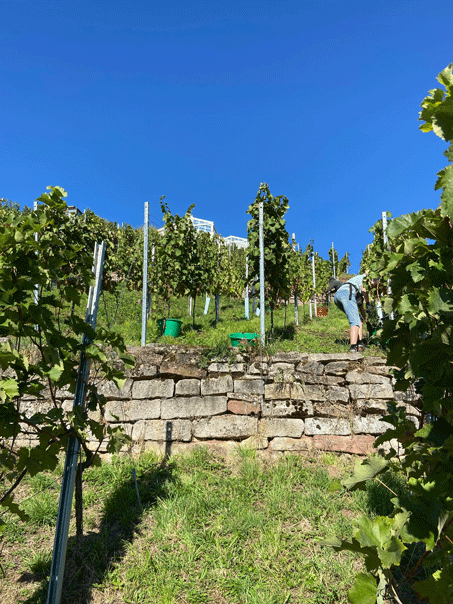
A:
(120, 102)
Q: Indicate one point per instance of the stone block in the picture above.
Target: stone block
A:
(301, 409)
(281, 369)
(289, 357)
(112, 392)
(374, 361)
(327, 426)
(256, 441)
(336, 394)
(179, 370)
(188, 387)
(281, 426)
(225, 427)
(219, 385)
(226, 368)
(243, 407)
(320, 380)
(331, 409)
(371, 391)
(249, 386)
(337, 368)
(196, 406)
(336, 356)
(372, 406)
(156, 388)
(166, 430)
(284, 391)
(311, 367)
(255, 369)
(142, 371)
(369, 425)
(363, 377)
(356, 444)
(132, 411)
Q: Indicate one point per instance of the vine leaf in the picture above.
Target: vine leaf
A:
(364, 589)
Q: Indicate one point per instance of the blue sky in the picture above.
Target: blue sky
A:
(120, 102)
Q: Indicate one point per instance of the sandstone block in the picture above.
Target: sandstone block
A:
(196, 406)
(157, 388)
(337, 367)
(369, 425)
(281, 426)
(363, 377)
(371, 391)
(327, 426)
(320, 380)
(189, 387)
(175, 369)
(281, 368)
(132, 411)
(112, 392)
(337, 394)
(244, 396)
(284, 391)
(225, 427)
(311, 367)
(243, 407)
(375, 361)
(256, 441)
(331, 409)
(289, 357)
(301, 409)
(255, 369)
(249, 386)
(226, 368)
(336, 356)
(142, 371)
(220, 385)
(358, 444)
(166, 430)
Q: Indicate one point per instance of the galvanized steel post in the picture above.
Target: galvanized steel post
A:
(262, 301)
(314, 285)
(386, 244)
(145, 273)
(246, 301)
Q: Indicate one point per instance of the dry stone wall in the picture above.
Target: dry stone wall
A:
(288, 402)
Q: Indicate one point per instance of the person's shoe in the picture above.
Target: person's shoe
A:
(361, 346)
(353, 348)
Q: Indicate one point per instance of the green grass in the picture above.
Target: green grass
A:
(240, 530)
(328, 334)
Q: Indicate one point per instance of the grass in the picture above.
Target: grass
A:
(245, 529)
(327, 334)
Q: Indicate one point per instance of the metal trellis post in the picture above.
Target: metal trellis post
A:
(262, 302)
(246, 301)
(145, 273)
(386, 244)
(72, 452)
(314, 285)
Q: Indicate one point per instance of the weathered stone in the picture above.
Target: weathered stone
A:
(226, 368)
(289, 357)
(372, 406)
(363, 377)
(188, 371)
(379, 370)
(329, 409)
(225, 427)
(256, 441)
(313, 392)
(337, 394)
(357, 444)
(282, 391)
(281, 426)
(311, 367)
(249, 386)
(167, 430)
(142, 371)
(196, 406)
(243, 407)
(321, 380)
(111, 391)
(219, 385)
(187, 387)
(371, 391)
(255, 369)
(327, 426)
(243, 396)
(132, 411)
(337, 368)
(337, 356)
(281, 369)
(375, 361)
(301, 409)
(369, 425)
(156, 388)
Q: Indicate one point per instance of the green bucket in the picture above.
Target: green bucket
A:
(172, 327)
(242, 339)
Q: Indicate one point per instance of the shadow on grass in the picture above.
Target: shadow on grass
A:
(284, 333)
(87, 565)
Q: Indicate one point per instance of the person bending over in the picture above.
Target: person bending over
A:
(350, 298)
